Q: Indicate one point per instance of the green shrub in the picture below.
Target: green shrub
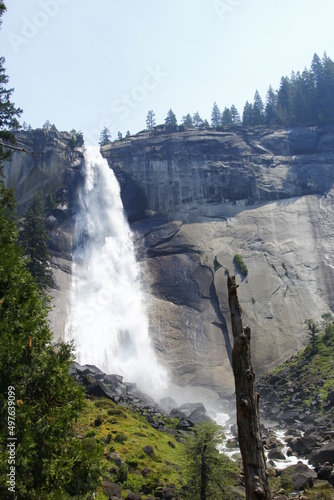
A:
(120, 438)
(132, 462)
(239, 262)
(122, 474)
(98, 421)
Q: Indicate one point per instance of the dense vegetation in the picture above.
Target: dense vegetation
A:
(33, 239)
(306, 380)
(143, 459)
(240, 264)
(39, 401)
(302, 99)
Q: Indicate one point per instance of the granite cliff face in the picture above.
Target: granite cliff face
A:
(195, 199)
(53, 168)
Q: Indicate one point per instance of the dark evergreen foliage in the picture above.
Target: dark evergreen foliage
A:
(188, 121)
(170, 120)
(226, 118)
(36, 389)
(305, 98)
(215, 116)
(34, 238)
(209, 472)
(105, 137)
(198, 122)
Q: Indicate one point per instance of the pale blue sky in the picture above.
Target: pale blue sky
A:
(83, 64)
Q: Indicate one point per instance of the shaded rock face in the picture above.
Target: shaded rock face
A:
(163, 173)
(53, 168)
(197, 198)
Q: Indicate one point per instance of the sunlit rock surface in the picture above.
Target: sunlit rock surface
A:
(210, 195)
(194, 200)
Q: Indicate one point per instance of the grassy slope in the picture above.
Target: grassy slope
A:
(306, 381)
(126, 433)
(132, 433)
(311, 374)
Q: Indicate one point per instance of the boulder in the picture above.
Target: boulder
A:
(288, 415)
(99, 390)
(320, 484)
(276, 454)
(168, 493)
(324, 472)
(133, 496)
(324, 454)
(115, 457)
(94, 370)
(185, 425)
(301, 475)
(146, 471)
(199, 416)
(112, 489)
(148, 450)
(167, 403)
(303, 445)
(331, 479)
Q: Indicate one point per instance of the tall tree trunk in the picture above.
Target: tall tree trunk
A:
(247, 400)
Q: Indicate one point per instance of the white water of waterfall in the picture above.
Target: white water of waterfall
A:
(108, 322)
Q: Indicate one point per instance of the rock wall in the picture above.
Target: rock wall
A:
(197, 198)
(54, 167)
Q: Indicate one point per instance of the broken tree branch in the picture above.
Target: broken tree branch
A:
(250, 438)
(16, 148)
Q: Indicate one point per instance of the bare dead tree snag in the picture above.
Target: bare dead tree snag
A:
(247, 400)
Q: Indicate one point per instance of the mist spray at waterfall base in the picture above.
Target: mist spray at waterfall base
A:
(108, 322)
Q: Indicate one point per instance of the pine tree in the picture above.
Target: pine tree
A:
(208, 470)
(226, 119)
(270, 113)
(35, 384)
(34, 238)
(215, 116)
(247, 115)
(105, 137)
(8, 111)
(150, 120)
(198, 122)
(284, 102)
(170, 120)
(235, 116)
(313, 329)
(187, 121)
(258, 109)
(47, 125)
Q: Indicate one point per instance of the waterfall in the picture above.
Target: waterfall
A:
(108, 322)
